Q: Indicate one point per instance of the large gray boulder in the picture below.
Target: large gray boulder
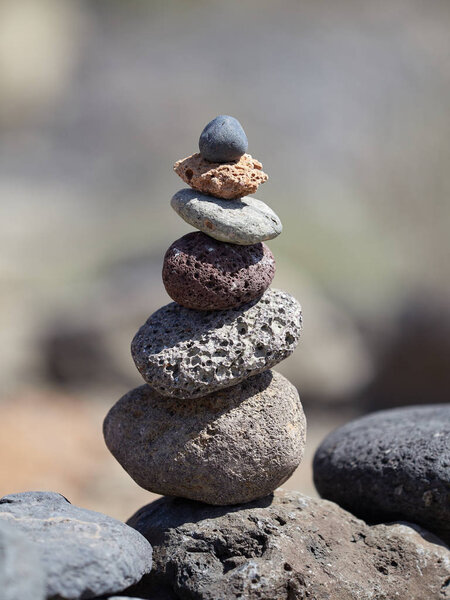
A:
(188, 353)
(83, 553)
(229, 447)
(21, 574)
(393, 464)
(286, 547)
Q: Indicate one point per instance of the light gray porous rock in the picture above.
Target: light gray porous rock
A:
(244, 221)
(232, 446)
(187, 353)
(21, 574)
(83, 553)
(286, 547)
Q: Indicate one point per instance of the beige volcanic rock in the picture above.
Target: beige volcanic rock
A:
(224, 180)
(228, 447)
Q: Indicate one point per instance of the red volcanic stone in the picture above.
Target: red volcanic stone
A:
(202, 273)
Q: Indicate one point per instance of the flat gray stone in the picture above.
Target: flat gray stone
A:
(21, 574)
(286, 547)
(392, 464)
(243, 221)
(187, 353)
(232, 446)
(83, 553)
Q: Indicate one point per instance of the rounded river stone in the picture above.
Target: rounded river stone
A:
(286, 547)
(189, 353)
(243, 221)
(232, 446)
(21, 574)
(223, 180)
(223, 139)
(83, 553)
(202, 273)
(393, 464)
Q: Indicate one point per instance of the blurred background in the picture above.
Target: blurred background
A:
(347, 105)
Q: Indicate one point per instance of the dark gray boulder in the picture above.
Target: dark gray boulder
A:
(286, 547)
(390, 465)
(21, 574)
(83, 553)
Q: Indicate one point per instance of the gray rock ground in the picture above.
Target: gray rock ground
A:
(392, 464)
(229, 447)
(84, 554)
(286, 547)
(21, 574)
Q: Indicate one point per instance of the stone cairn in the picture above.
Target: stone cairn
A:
(213, 423)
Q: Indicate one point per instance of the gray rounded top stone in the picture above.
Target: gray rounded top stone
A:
(83, 553)
(186, 353)
(393, 464)
(243, 221)
(21, 574)
(223, 140)
(229, 447)
(286, 547)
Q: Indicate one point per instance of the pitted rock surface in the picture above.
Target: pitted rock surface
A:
(21, 574)
(243, 221)
(229, 180)
(229, 447)
(393, 464)
(202, 273)
(286, 547)
(188, 353)
(83, 553)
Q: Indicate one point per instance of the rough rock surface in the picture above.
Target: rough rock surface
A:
(188, 353)
(202, 273)
(83, 553)
(243, 221)
(223, 180)
(21, 574)
(223, 139)
(394, 464)
(286, 547)
(230, 447)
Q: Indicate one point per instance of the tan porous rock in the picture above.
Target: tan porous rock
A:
(231, 446)
(229, 180)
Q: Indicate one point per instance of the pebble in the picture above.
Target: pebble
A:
(83, 553)
(285, 547)
(243, 221)
(393, 464)
(187, 353)
(229, 447)
(202, 273)
(222, 180)
(223, 140)
(21, 574)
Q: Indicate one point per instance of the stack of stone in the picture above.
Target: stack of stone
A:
(213, 423)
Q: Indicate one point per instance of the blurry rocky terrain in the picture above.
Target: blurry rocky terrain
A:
(346, 105)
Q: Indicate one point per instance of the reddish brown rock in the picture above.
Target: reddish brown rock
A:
(202, 273)
(229, 180)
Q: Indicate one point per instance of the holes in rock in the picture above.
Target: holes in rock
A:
(289, 338)
(189, 174)
(287, 567)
